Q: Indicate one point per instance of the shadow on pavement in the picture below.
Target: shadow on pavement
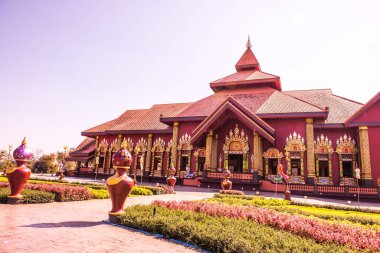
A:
(73, 224)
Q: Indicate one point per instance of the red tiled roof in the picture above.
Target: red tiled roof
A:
(247, 60)
(85, 148)
(150, 119)
(339, 108)
(127, 115)
(250, 98)
(140, 120)
(247, 75)
(280, 102)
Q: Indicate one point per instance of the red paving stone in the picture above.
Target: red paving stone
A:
(78, 227)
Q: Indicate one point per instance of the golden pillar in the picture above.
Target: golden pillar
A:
(365, 158)
(258, 153)
(310, 151)
(109, 157)
(96, 153)
(214, 152)
(175, 143)
(119, 140)
(208, 161)
(149, 153)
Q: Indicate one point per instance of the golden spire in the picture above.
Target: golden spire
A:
(249, 45)
(124, 144)
(24, 142)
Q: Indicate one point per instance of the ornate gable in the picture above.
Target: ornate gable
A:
(295, 143)
(273, 153)
(185, 142)
(158, 145)
(103, 146)
(323, 145)
(129, 144)
(236, 141)
(346, 145)
(114, 146)
(141, 145)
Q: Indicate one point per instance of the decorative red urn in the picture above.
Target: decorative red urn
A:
(226, 183)
(18, 176)
(119, 185)
(171, 180)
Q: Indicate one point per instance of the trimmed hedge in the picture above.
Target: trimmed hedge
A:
(138, 190)
(99, 193)
(220, 234)
(231, 192)
(159, 189)
(29, 196)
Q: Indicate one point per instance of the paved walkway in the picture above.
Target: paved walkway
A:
(78, 227)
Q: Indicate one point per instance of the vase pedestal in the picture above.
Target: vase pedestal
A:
(114, 218)
(288, 195)
(14, 201)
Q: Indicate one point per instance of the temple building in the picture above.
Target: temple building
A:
(248, 125)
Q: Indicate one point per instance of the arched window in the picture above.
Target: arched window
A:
(323, 151)
(294, 152)
(200, 159)
(272, 158)
(158, 149)
(184, 154)
(140, 150)
(346, 149)
(235, 150)
(103, 148)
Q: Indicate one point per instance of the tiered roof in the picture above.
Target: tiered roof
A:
(258, 92)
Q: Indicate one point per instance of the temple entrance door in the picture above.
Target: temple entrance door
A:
(347, 168)
(272, 164)
(201, 163)
(324, 168)
(184, 162)
(296, 167)
(235, 162)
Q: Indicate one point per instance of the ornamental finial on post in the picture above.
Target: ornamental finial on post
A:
(249, 45)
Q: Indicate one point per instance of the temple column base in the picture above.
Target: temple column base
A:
(366, 182)
(310, 180)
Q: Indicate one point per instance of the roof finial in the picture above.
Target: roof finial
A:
(249, 45)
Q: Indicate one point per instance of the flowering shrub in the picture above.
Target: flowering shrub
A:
(63, 192)
(220, 234)
(29, 196)
(353, 216)
(231, 192)
(321, 231)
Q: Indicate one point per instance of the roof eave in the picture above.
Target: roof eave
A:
(293, 115)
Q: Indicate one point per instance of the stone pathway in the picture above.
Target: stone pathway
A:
(78, 227)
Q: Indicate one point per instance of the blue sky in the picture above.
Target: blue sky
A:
(69, 65)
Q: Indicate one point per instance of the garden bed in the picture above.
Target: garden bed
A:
(222, 233)
(236, 223)
(65, 191)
